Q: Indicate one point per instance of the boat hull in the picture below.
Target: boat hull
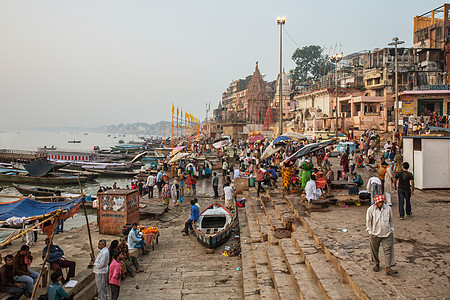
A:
(34, 190)
(40, 180)
(214, 240)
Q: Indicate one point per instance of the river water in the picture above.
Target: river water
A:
(32, 139)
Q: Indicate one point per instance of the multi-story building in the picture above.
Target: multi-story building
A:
(430, 92)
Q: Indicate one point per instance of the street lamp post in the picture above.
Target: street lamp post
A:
(395, 43)
(336, 58)
(281, 21)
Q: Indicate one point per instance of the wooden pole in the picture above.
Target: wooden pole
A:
(89, 231)
(43, 264)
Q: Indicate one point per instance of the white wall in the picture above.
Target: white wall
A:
(431, 165)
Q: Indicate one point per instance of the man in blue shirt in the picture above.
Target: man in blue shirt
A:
(56, 260)
(55, 291)
(159, 181)
(194, 217)
(135, 240)
(273, 176)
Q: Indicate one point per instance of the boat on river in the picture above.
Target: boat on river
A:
(74, 141)
(38, 191)
(112, 173)
(214, 225)
(22, 176)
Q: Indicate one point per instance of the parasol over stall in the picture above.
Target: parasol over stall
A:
(256, 138)
(222, 143)
(311, 148)
(177, 149)
(139, 156)
(178, 156)
(296, 136)
(275, 146)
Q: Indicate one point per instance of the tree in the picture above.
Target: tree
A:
(311, 64)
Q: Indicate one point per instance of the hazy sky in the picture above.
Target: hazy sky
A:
(89, 63)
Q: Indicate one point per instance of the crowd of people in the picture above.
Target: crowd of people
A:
(421, 125)
(18, 279)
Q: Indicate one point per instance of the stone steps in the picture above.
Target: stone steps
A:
(295, 267)
(264, 276)
(350, 277)
(329, 281)
(272, 215)
(306, 286)
(251, 288)
(284, 283)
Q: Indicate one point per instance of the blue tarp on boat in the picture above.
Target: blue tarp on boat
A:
(26, 207)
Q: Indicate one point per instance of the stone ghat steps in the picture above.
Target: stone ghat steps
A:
(278, 264)
(330, 282)
(278, 271)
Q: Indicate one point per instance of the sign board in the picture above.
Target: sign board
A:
(408, 105)
(440, 87)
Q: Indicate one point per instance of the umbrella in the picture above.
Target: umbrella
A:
(296, 136)
(177, 149)
(271, 150)
(221, 144)
(310, 148)
(177, 157)
(139, 156)
(256, 138)
(280, 139)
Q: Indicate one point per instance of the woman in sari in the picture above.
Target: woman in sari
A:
(306, 173)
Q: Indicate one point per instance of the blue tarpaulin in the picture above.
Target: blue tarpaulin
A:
(26, 207)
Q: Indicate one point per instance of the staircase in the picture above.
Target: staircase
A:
(282, 258)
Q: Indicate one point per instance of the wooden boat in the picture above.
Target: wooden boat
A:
(74, 142)
(13, 176)
(35, 190)
(112, 173)
(214, 225)
(89, 175)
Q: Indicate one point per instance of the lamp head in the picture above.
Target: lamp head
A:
(281, 20)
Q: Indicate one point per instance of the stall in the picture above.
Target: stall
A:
(429, 161)
(117, 208)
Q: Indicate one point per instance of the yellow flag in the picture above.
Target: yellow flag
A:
(173, 109)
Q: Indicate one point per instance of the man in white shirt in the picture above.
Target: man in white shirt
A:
(228, 193)
(380, 226)
(374, 188)
(151, 180)
(311, 190)
(224, 168)
(101, 270)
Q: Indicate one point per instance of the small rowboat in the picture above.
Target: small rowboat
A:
(37, 191)
(214, 225)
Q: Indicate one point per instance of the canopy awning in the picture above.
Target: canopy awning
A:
(26, 208)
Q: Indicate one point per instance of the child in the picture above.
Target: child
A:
(115, 275)
(55, 291)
